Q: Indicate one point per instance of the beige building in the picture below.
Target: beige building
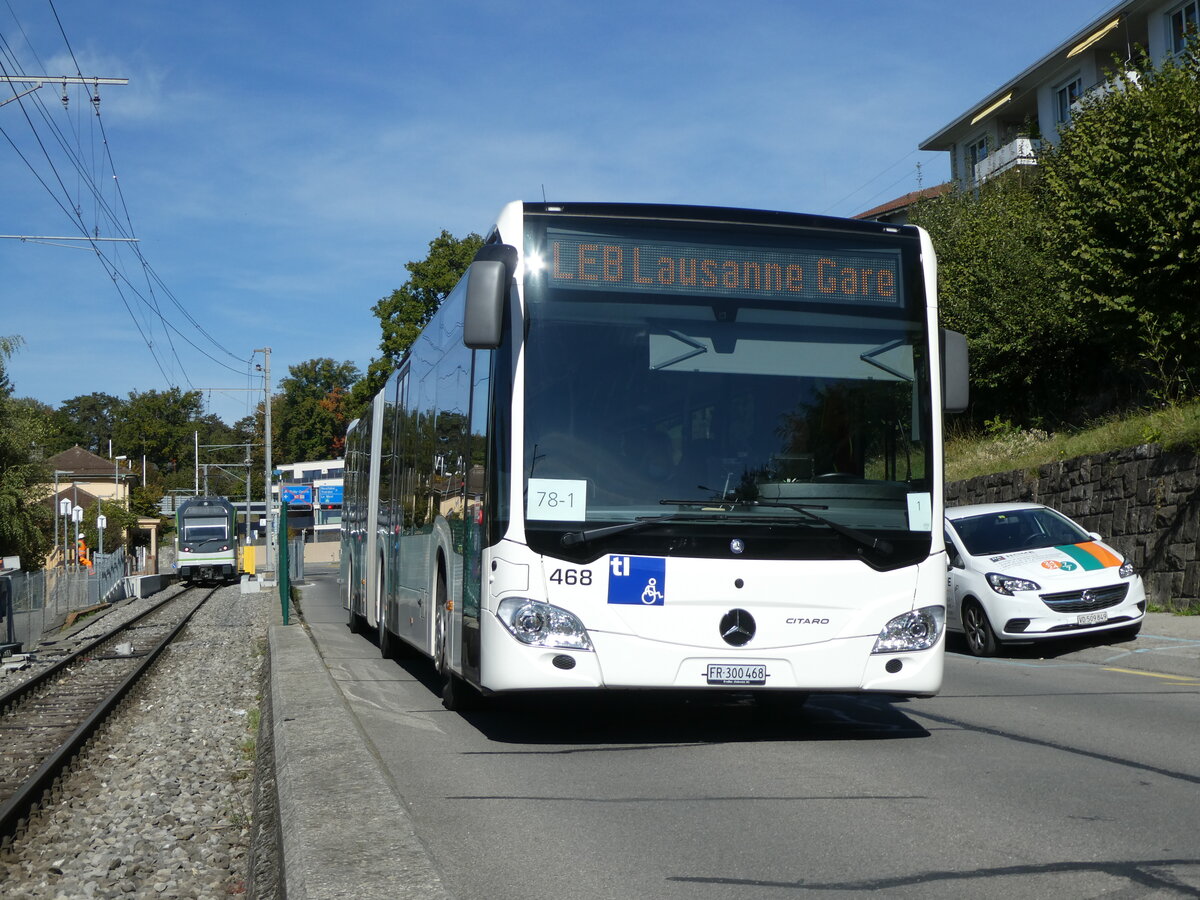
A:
(83, 478)
(81, 473)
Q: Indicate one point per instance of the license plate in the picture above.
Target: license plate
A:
(730, 673)
(1093, 618)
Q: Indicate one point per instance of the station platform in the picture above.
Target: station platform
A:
(343, 828)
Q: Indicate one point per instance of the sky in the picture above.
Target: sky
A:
(279, 164)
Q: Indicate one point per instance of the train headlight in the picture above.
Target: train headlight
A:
(542, 624)
(918, 629)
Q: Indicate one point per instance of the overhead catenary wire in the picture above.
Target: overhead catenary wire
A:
(873, 179)
(119, 220)
(126, 228)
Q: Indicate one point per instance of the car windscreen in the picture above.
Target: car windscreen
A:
(1021, 529)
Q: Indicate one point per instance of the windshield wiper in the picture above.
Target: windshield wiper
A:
(860, 537)
(571, 538)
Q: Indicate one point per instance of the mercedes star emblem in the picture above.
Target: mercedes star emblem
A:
(737, 627)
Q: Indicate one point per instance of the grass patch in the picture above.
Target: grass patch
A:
(1005, 447)
(249, 746)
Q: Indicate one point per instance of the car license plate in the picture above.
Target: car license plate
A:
(734, 673)
(1092, 618)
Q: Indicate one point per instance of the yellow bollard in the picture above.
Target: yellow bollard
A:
(248, 557)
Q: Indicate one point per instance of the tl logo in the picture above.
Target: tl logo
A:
(637, 580)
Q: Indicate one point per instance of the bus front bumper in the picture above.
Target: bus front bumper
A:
(625, 661)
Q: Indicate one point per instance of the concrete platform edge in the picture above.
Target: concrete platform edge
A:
(353, 842)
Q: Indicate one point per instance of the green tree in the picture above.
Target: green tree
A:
(1124, 184)
(311, 412)
(8, 346)
(161, 425)
(119, 521)
(24, 428)
(87, 421)
(996, 285)
(408, 309)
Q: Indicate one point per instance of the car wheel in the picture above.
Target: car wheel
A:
(981, 639)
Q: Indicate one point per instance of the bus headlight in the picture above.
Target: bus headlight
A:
(915, 630)
(542, 624)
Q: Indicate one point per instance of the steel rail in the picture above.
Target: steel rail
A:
(16, 808)
(27, 687)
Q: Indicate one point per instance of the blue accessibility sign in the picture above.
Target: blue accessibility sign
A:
(637, 580)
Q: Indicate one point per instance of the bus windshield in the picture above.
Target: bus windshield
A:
(664, 376)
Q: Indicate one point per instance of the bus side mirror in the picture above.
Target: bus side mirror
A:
(487, 283)
(488, 279)
(955, 389)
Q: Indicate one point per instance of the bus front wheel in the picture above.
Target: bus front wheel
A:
(457, 694)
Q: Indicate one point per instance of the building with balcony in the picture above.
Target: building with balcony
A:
(1006, 128)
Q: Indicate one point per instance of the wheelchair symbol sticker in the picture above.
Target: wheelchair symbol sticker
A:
(637, 580)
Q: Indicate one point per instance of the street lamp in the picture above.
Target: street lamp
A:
(116, 480)
(77, 517)
(101, 524)
(64, 510)
(58, 472)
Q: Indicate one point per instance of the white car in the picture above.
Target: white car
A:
(1021, 572)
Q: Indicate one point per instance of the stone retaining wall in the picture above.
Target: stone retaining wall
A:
(1145, 501)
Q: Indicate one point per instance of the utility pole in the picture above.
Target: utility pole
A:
(224, 467)
(270, 541)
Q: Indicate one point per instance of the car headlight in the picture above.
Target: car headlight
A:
(542, 624)
(1007, 585)
(918, 629)
(1127, 570)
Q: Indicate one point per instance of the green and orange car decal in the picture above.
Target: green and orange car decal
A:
(1089, 555)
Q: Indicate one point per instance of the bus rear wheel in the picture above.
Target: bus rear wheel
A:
(353, 622)
(387, 648)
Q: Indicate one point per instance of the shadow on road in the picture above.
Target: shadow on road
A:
(1045, 649)
(677, 717)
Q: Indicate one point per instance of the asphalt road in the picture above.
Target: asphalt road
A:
(1030, 775)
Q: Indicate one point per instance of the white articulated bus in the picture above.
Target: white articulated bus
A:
(647, 446)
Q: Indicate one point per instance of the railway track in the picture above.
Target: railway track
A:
(45, 721)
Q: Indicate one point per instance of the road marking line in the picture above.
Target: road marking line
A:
(1182, 679)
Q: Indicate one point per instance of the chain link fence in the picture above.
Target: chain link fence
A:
(40, 603)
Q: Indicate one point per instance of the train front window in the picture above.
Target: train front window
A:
(206, 529)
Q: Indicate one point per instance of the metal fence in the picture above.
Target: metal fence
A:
(43, 601)
(296, 560)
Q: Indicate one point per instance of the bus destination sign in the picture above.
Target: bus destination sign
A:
(608, 262)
